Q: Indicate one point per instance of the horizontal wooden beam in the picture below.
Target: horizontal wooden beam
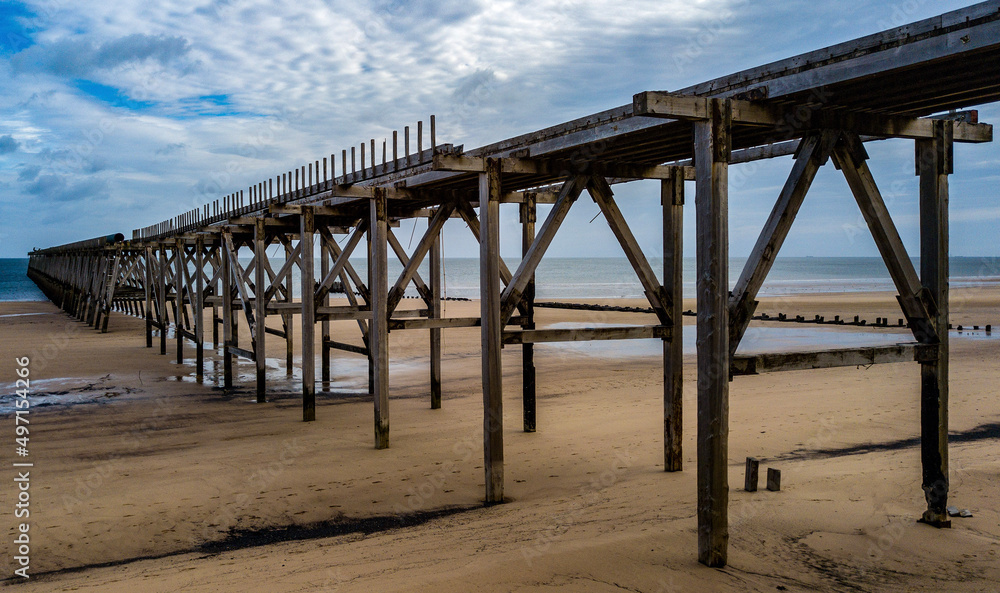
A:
(589, 334)
(687, 107)
(446, 323)
(842, 357)
(241, 352)
(556, 167)
(346, 347)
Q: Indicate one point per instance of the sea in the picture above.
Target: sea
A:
(568, 278)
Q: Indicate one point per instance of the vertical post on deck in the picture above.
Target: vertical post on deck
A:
(324, 269)
(260, 309)
(934, 164)
(378, 336)
(435, 313)
(307, 223)
(163, 297)
(712, 152)
(672, 199)
(226, 293)
(198, 304)
(179, 291)
(529, 215)
(148, 285)
(490, 291)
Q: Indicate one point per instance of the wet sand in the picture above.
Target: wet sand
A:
(149, 481)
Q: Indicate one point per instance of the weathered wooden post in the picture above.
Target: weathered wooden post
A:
(179, 292)
(227, 315)
(712, 152)
(379, 329)
(260, 309)
(529, 216)
(148, 295)
(672, 201)
(435, 313)
(490, 292)
(324, 269)
(307, 225)
(934, 164)
(162, 285)
(198, 304)
(286, 316)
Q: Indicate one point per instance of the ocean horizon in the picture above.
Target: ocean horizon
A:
(563, 278)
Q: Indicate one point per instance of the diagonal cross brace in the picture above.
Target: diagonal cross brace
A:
(849, 156)
(234, 263)
(397, 248)
(661, 302)
(341, 261)
(410, 268)
(814, 151)
(469, 216)
(514, 292)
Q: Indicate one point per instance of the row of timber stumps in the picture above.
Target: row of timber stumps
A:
(820, 108)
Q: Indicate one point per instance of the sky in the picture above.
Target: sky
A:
(118, 114)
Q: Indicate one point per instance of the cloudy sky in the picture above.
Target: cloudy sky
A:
(118, 114)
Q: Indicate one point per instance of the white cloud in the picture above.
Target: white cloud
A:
(298, 80)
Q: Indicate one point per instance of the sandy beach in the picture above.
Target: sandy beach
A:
(145, 480)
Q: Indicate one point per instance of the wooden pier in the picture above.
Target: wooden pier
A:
(820, 108)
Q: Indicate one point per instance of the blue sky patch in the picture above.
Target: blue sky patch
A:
(110, 95)
(14, 36)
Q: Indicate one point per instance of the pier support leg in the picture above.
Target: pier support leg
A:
(148, 295)
(672, 199)
(286, 319)
(179, 291)
(307, 263)
(712, 151)
(435, 313)
(490, 291)
(379, 330)
(528, 214)
(226, 293)
(260, 311)
(162, 273)
(198, 307)
(324, 269)
(933, 165)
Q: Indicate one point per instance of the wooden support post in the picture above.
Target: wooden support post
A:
(379, 332)
(286, 317)
(148, 294)
(198, 303)
(934, 163)
(162, 284)
(712, 149)
(435, 313)
(773, 479)
(752, 478)
(227, 317)
(260, 308)
(528, 215)
(490, 295)
(307, 223)
(324, 269)
(179, 264)
(672, 200)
